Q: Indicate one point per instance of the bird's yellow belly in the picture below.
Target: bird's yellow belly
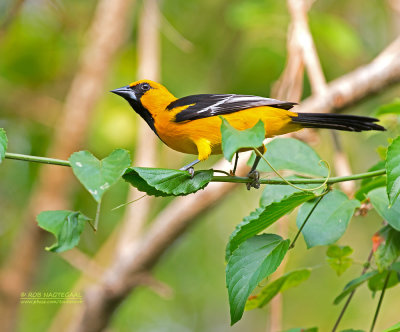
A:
(185, 136)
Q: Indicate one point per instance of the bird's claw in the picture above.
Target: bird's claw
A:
(255, 176)
(191, 172)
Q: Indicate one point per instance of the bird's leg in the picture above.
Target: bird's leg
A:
(254, 174)
(233, 172)
(189, 167)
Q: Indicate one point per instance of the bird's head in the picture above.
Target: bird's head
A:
(147, 98)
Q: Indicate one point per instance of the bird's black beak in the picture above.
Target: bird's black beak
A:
(125, 92)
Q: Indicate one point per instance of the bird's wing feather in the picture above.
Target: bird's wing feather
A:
(207, 105)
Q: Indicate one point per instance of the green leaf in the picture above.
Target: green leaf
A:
(3, 144)
(377, 282)
(234, 140)
(66, 226)
(264, 217)
(288, 280)
(390, 108)
(337, 258)
(393, 170)
(377, 182)
(99, 175)
(167, 182)
(254, 260)
(352, 285)
(380, 202)
(389, 249)
(291, 154)
(329, 220)
(277, 192)
(394, 328)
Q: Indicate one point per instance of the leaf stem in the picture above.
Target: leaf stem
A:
(308, 217)
(380, 301)
(96, 220)
(366, 266)
(35, 159)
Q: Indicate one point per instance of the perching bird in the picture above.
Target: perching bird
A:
(192, 124)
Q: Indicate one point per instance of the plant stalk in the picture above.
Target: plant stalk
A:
(233, 179)
(380, 301)
(35, 159)
(305, 221)
(352, 294)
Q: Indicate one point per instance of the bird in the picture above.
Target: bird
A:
(192, 124)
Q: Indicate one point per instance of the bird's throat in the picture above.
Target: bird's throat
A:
(144, 113)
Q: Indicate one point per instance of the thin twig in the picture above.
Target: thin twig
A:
(305, 220)
(366, 266)
(380, 301)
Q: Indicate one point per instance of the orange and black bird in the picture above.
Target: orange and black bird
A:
(192, 124)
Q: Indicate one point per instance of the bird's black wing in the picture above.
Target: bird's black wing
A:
(206, 105)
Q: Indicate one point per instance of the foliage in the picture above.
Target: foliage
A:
(167, 182)
(393, 170)
(255, 259)
(66, 226)
(328, 221)
(337, 258)
(234, 140)
(297, 157)
(99, 175)
(288, 280)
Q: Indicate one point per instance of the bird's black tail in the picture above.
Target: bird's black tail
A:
(337, 121)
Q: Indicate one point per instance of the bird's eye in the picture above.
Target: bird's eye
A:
(145, 86)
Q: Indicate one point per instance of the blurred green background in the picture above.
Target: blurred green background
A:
(238, 47)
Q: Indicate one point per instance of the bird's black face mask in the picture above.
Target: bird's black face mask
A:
(133, 94)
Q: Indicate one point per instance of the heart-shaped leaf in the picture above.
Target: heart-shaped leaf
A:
(291, 154)
(337, 258)
(329, 220)
(234, 140)
(3, 144)
(288, 280)
(99, 175)
(254, 260)
(393, 170)
(264, 217)
(67, 227)
(167, 182)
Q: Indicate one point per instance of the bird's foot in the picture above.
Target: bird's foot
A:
(255, 176)
(191, 172)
